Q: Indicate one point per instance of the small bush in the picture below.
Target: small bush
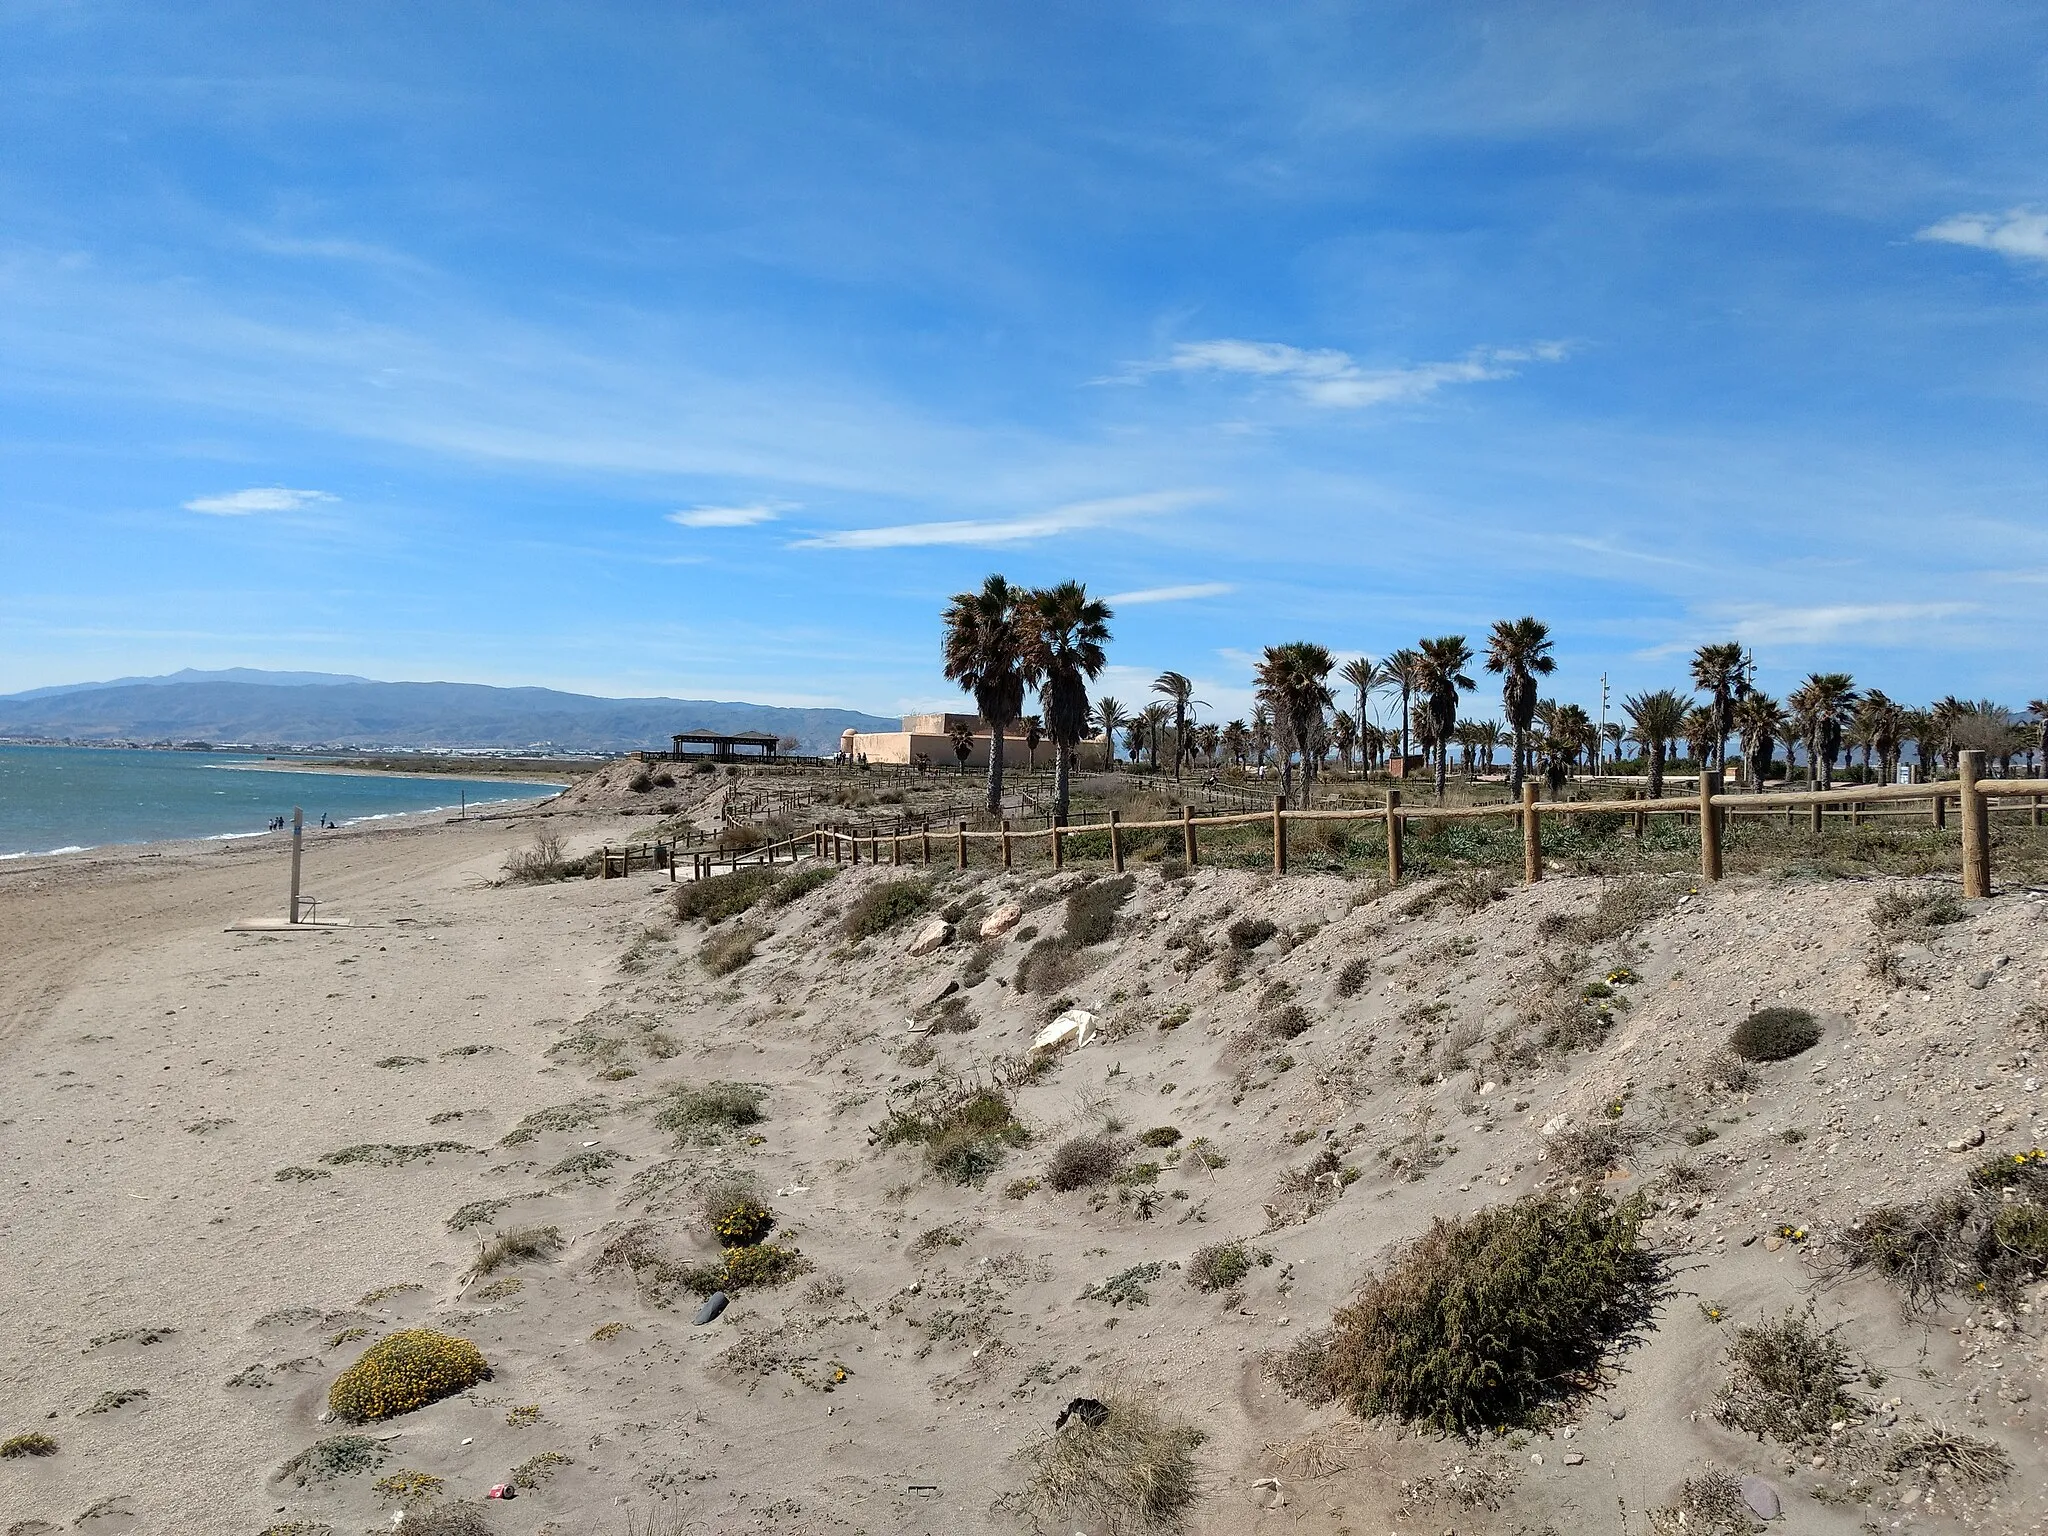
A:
(1724, 1069)
(1224, 1266)
(409, 1485)
(1476, 889)
(1786, 1379)
(1050, 966)
(1084, 1160)
(1487, 1320)
(447, 1520)
(1976, 1463)
(1092, 909)
(1160, 1136)
(573, 1116)
(510, 1247)
(964, 1127)
(796, 886)
(882, 907)
(1976, 1239)
(1904, 908)
(1288, 1023)
(752, 1266)
(1248, 933)
(1353, 975)
(709, 1113)
(718, 897)
(1135, 1472)
(404, 1371)
(384, 1154)
(334, 1457)
(34, 1443)
(641, 782)
(741, 1223)
(724, 953)
(1775, 1034)
(541, 862)
(1588, 1151)
(1624, 906)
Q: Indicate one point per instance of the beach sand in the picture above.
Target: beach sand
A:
(162, 1072)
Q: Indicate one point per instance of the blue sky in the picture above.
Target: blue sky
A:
(705, 350)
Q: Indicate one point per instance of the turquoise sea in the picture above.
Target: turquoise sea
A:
(66, 799)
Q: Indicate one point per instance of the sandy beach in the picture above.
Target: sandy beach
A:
(174, 1232)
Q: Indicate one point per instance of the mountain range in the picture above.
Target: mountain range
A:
(318, 709)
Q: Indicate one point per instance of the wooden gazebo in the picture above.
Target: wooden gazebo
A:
(725, 747)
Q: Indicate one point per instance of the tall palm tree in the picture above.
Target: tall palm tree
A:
(1947, 712)
(1292, 679)
(1489, 738)
(1575, 732)
(1519, 650)
(1155, 717)
(1065, 632)
(1180, 692)
(1399, 671)
(1655, 718)
(1208, 736)
(1917, 726)
(1442, 678)
(1344, 731)
(1876, 729)
(1760, 720)
(1372, 743)
(1134, 739)
(1110, 718)
(1262, 732)
(1821, 706)
(983, 648)
(1701, 728)
(1721, 672)
(1237, 742)
(1362, 676)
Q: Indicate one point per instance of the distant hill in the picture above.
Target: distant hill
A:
(285, 710)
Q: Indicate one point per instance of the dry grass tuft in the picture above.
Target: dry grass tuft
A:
(724, 953)
(1133, 1473)
(710, 1113)
(447, 1520)
(1978, 1463)
(1785, 1380)
(1909, 909)
(1589, 1151)
(1084, 1160)
(511, 1247)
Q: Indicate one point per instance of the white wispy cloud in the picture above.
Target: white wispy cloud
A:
(2017, 233)
(1014, 530)
(1180, 594)
(258, 498)
(1327, 377)
(731, 517)
(1758, 625)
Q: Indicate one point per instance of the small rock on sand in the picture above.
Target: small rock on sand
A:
(931, 936)
(1002, 920)
(1760, 1496)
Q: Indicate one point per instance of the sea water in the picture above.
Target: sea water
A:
(67, 799)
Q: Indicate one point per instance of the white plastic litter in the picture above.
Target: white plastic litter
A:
(1076, 1024)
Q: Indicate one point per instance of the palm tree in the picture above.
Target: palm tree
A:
(1721, 672)
(1372, 743)
(1109, 719)
(1575, 732)
(1237, 742)
(1519, 650)
(1946, 713)
(1400, 670)
(1262, 732)
(1065, 631)
(1292, 680)
(1134, 738)
(1702, 732)
(1207, 736)
(1656, 718)
(1441, 676)
(1917, 726)
(1363, 676)
(1489, 738)
(1877, 727)
(1821, 706)
(1761, 721)
(1344, 732)
(1155, 717)
(983, 650)
(1180, 692)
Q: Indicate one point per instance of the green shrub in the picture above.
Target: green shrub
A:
(882, 907)
(1353, 975)
(1050, 966)
(965, 1128)
(1289, 1022)
(34, 1443)
(384, 1154)
(1224, 1266)
(721, 896)
(1786, 1379)
(706, 1114)
(1248, 933)
(1903, 908)
(741, 1223)
(1160, 1136)
(1488, 1320)
(334, 1457)
(1775, 1034)
(726, 952)
(754, 1265)
(1092, 909)
(2014, 1170)
(799, 884)
(404, 1371)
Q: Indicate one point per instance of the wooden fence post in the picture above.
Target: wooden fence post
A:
(1279, 834)
(604, 864)
(926, 836)
(896, 849)
(855, 842)
(963, 845)
(1814, 814)
(1532, 836)
(1710, 826)
(1187, 831)
(1116, 843)
(1393, 836)
(1939, 809)
(1006, 842)
(1976, 828)
(1059, 848)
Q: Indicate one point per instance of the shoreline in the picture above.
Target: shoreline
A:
(344, 770)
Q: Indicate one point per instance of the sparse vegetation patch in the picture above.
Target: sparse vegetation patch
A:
(882, 907)
(712, 1112)
(1775, 1034)
(1133, 1472)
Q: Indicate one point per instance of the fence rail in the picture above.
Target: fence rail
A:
(1972, 792)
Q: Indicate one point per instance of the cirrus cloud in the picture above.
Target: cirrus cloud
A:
(2017, 233)
(1179, 594)
(745, 516)
(257, 498)
(1327, 377)
(1011, 530)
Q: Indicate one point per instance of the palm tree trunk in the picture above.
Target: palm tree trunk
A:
(1515, 773)
(995, 769)
(1059, 783)
(1656, 770)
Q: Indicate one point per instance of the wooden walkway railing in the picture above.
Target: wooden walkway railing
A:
(1971, 792)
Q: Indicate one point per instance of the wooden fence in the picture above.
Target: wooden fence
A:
(1972, 793)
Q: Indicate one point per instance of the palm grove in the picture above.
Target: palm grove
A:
(1003, 643)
